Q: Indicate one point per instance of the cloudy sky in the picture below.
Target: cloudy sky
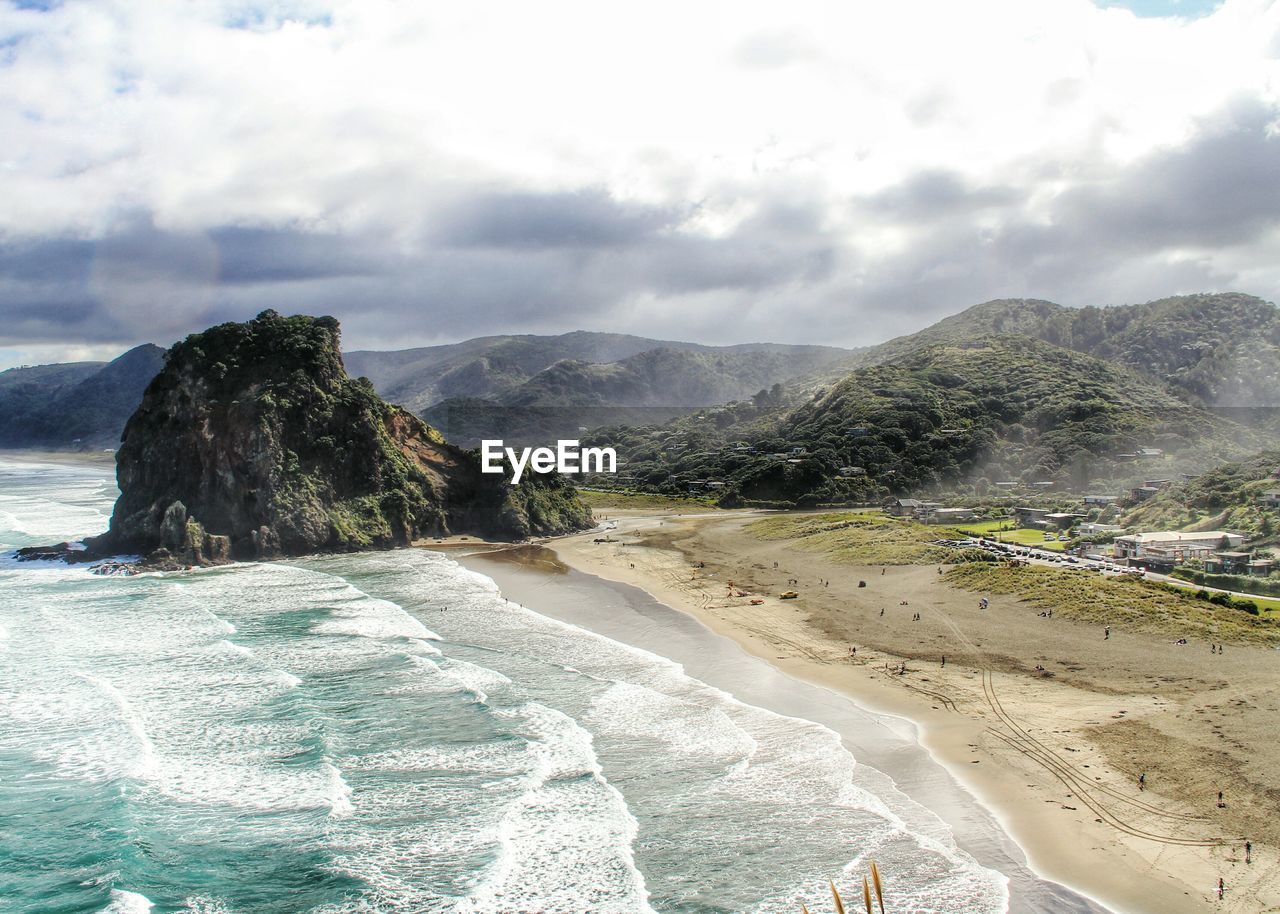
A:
(723, 172)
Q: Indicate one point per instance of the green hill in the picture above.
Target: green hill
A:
(1210, 349)
(994, 408)
(583, 369)
(1225, 498)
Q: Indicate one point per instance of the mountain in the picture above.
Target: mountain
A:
(495, 368)
(1219, 350)
(74, 406)
(253, 442)
(1228, 497)
(647, 388)
(993, 408)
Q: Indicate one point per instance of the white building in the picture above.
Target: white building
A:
(1172, 547)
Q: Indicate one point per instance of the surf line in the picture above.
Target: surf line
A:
(568, 456)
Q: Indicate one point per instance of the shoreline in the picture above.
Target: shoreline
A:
(1100, 853)
(881, 742)
(59, 458)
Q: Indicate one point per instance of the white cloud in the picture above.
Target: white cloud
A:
(373, 120)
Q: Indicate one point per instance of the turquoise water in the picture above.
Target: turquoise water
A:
(385, 732)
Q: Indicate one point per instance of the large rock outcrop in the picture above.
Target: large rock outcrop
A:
(254, 443)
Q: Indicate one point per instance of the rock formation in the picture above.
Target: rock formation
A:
(254, 443)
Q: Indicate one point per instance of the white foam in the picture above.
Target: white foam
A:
(683, 726)
(369, 618)
(567, 840)
(123, 902)
(340, 804)
(144, 758)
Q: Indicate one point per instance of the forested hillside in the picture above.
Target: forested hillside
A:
(987, 410)
(1228, 497)
(1211, 349)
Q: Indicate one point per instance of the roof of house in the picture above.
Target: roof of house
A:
(1171, 536)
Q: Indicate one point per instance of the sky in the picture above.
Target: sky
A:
(822, 172)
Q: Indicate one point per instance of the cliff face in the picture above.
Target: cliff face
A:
(253, 442)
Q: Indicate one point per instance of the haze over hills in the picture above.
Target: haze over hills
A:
(1172, 355)
(76, 405)
(584, 368)
(992, 408)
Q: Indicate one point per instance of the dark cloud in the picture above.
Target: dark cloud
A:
(507, 261)
(257, 255)
(1221, 188)
(929, 195)
(586, 219)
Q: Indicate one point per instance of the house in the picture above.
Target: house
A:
(926, 510)
(1029, 517)
(1100, 501)
(1172, 548)
(1150, 452)
(857, 431)
(1270, 498)
(1061, 519)
(1260, 568)
(953, 515)
(1227, 563)
(901, 507)
(1142, 493)
(798, 452)
(1007, 484)
(1156, 483)
(1099, 529)
(715, 484)
(852, 471)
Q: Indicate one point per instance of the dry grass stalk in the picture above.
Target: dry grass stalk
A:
(866, 893)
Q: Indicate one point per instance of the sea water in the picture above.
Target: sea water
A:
(386, 732)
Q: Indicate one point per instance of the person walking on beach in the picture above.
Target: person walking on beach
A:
(1106, 633)
(1221, 803)
(1248, 852)
(1142, 781)
(944, 661)
(1222, 887)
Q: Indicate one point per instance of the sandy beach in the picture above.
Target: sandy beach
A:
(1055, 754)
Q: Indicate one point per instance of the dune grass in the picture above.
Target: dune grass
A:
(1089, 597)
(861, 538)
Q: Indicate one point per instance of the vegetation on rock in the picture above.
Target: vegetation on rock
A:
(257, 434)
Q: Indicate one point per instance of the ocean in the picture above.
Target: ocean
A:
(385, 732)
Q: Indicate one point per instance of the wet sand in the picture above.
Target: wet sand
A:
(1055, 758)
(534, 577)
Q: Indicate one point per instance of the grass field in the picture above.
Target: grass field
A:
(860, 538)
(642, 501)
(1003, 531)
(1089, 597)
